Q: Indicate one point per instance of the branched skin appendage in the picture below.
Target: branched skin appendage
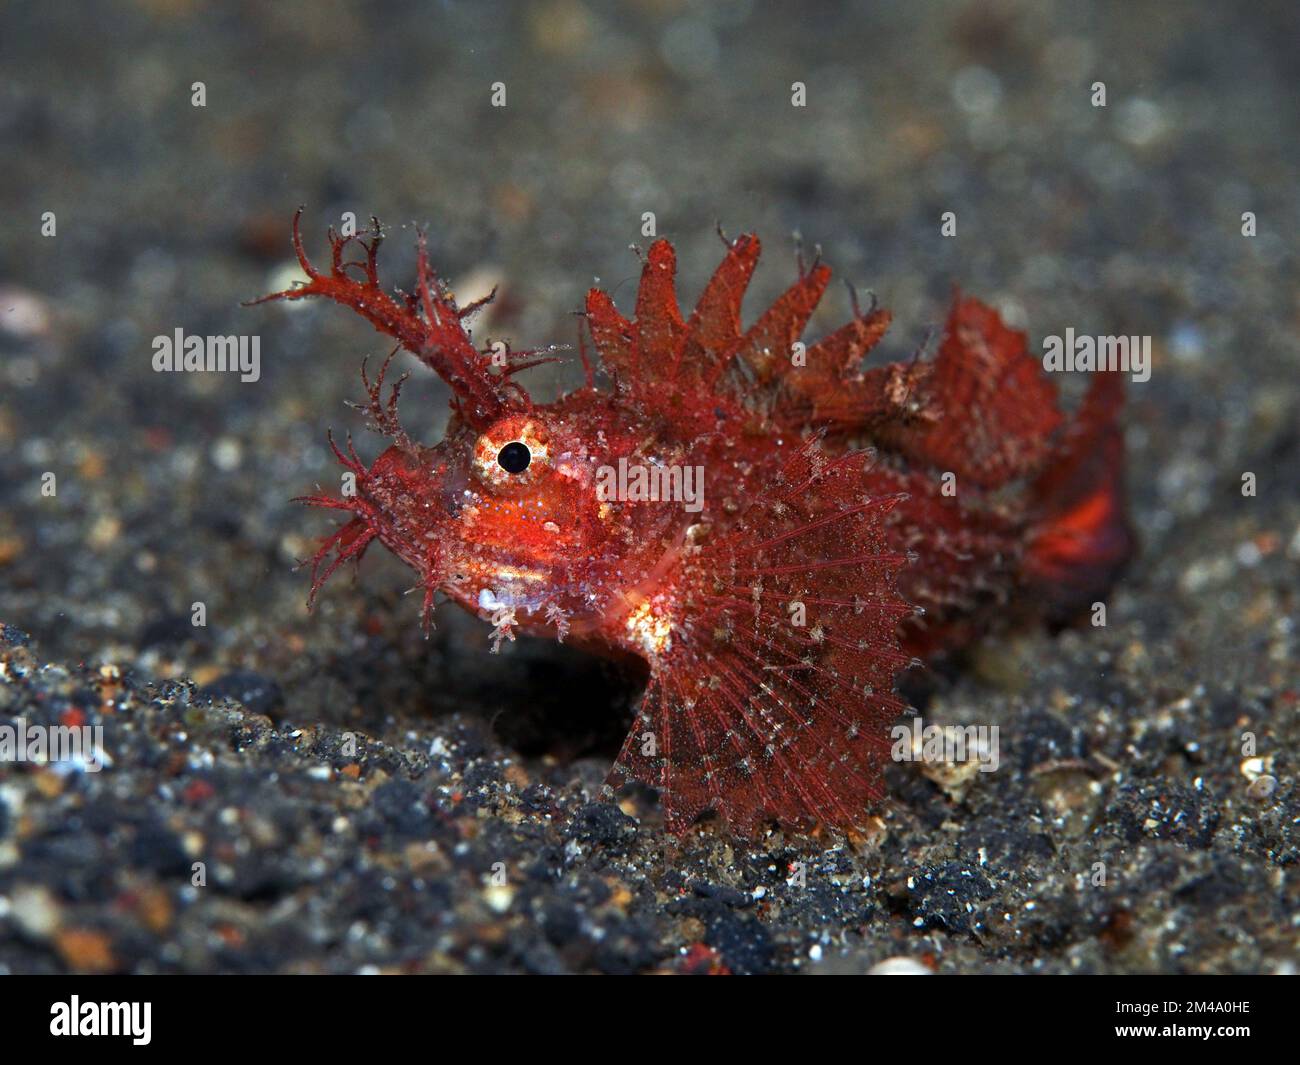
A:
(816, 556)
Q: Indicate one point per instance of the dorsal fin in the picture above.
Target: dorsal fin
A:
(990, 412)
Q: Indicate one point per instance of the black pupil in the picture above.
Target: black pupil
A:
(514, 457)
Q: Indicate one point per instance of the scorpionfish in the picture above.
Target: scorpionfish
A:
(848, 521)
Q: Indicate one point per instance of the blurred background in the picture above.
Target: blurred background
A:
(173, 489)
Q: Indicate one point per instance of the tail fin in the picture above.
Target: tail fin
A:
(990, 415)
(1083, 539)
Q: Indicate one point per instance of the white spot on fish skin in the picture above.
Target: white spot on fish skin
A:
(650, 630)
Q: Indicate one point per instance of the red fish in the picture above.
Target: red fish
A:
(774, 529)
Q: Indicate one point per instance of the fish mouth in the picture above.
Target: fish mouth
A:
(487, 587)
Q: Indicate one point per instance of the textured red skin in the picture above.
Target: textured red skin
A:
(822, 493)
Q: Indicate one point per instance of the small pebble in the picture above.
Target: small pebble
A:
(35, 911)
(1262, 788)
(900, 966)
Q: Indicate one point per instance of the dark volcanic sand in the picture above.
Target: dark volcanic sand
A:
(1121, 745)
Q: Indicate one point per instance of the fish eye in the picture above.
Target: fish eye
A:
(514, 457)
